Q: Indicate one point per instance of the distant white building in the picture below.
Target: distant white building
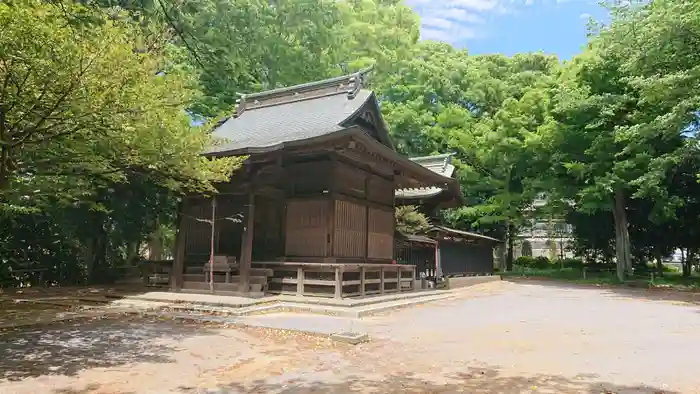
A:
(548, 237)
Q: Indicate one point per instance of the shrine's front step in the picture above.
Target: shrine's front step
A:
(239, 306)
(258, 284)
(199, 272)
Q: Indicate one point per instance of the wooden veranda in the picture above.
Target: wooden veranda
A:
(312, 209)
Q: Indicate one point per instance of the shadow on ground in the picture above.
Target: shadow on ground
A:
(116, 290)
(67, 348)
(475, 381)
(619, 291)
(89, 389)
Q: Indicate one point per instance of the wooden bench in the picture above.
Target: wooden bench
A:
(222, 264)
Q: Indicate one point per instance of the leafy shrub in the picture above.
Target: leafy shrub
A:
(524, 261)
(409, 220)
(601, 267)
(570, 263)
(541, 262)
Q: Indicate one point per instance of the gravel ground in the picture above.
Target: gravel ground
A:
(494, 338)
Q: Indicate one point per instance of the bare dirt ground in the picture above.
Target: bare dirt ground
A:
(493, 338)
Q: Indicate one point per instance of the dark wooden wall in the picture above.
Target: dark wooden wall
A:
(197, 233)
(307, 227)
(466, 258)
(336, 210)
(268, 238)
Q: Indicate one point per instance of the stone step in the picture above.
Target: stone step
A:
(261, 280)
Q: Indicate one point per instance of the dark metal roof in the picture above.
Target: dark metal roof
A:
(420, 238)
(268, 120)
(415, 238)
(463, 233)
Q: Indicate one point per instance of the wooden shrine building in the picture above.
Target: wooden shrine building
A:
(312, 209)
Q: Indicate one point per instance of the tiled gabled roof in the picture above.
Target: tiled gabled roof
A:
(440, 164)
(266, 121)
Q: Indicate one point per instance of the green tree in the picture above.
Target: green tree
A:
(243, 46)
(94, 138)
(410, 221)
(622, 107)
(79, 105)
(485, 109)
(376, 32)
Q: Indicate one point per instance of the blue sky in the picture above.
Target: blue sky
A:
(509, 26)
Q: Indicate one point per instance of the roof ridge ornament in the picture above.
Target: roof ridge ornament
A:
(240, 105)
(357, 81)
(350, 84)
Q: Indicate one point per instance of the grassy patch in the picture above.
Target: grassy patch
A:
(669, 280)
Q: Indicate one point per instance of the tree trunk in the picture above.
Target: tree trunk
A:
(155, 245)
(510, 244)
(132, 252)
(4, 152)
(659, 265)
(500, 257)
(96, 249)
(687, 261)
(622, 237)
(89, 257)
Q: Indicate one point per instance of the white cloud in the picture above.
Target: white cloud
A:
(446, 35)
(585, 16)
(455, 21)
(435, 22)
(462, 15)
(478, 5)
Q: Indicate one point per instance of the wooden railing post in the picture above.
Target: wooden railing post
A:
(362, 281)
(398, 279)
(338, 283)
(413, 277)
(381, 280)
(300, 281)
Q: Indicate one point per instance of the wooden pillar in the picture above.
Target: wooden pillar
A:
(367, 184)
(178, 270)
(247, 243)
(330, 225)
(338, 282)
